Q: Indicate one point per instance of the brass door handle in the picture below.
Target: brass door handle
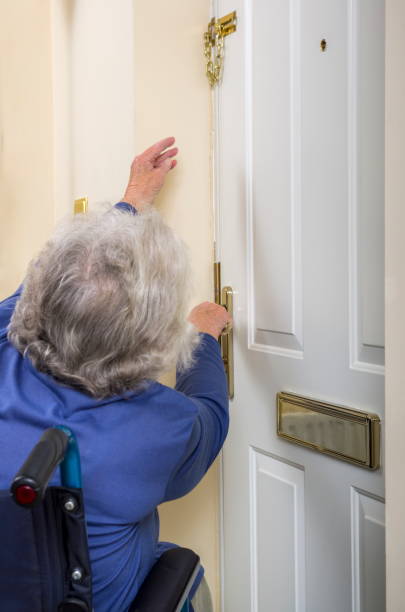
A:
(226, 340)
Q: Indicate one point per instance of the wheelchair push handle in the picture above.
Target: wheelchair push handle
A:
(30, 482)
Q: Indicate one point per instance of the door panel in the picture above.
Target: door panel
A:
(274, 202)
(273, 229)
(366, 182)
(299, 206)
(368, 533)
(277, 516)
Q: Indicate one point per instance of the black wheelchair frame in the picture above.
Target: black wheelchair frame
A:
(44, 559)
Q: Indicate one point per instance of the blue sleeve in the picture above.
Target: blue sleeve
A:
(6, 310)
(205, 385)
(127, 207)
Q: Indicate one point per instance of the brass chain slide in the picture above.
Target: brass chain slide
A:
(214, 45)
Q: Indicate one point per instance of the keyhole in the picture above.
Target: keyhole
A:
(323, 45)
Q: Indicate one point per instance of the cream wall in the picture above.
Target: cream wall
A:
(173, 99)
(94, 99)
(395, 302)
(68, 130)
(26, 202)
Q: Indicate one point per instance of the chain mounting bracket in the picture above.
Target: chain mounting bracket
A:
(214, 45)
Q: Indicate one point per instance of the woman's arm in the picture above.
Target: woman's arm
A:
(206, 386)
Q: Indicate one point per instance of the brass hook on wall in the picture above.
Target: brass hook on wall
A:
(80, 206)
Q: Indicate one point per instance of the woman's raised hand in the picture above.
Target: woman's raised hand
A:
(148, 173)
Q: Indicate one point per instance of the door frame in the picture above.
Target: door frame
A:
(394, 300)
(214, 149)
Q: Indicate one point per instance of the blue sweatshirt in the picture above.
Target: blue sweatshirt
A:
(137, 452)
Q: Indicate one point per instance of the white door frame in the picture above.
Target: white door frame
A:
(395, 302)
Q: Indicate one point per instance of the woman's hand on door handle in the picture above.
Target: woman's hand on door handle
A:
(210, 318)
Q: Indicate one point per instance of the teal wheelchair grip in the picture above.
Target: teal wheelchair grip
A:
(70, 469)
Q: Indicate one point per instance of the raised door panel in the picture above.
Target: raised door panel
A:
(366, 182)
(277, 534)
(368, 552)
(273, 175)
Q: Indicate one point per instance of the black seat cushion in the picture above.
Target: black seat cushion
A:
(167, 581)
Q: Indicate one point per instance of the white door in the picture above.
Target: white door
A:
(299, 185)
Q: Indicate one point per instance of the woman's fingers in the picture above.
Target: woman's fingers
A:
(157, 149)
(161, 158)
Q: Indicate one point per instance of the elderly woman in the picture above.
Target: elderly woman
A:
(100, 316)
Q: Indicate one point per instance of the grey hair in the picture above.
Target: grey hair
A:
(103, 307)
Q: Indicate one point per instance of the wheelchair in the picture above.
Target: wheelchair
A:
(44, 558)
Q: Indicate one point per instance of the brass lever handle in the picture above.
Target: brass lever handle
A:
(226, 340)
(224, 298)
